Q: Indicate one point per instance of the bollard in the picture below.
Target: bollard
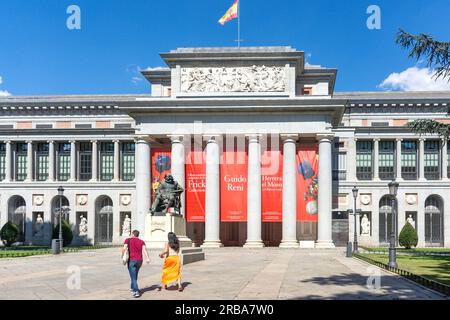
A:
(349, 249)
(56, 246)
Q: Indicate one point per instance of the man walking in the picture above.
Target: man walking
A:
(135, 246)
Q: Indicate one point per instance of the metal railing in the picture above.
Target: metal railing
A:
(431, 284)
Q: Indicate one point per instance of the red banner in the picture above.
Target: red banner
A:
(233, 186)
(307, 188)
(272, 186)
(161, 164)
(195, 186)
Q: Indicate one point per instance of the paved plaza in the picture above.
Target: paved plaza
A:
(227, 273)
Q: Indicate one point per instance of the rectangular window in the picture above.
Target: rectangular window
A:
(85, 161)
(409, 160)
(2, 161)
(364, 161)
(431, 160)
(63, 161)
(339, 166)
(21, 161)
(448, 158)
(127, 161)
(41, 164)
(386, 162)
(106, 161)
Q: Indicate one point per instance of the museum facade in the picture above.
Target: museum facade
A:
(265, 149)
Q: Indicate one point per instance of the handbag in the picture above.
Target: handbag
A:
(126, 255)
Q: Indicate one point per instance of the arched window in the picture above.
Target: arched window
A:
(434, 221)
(104, 220)
(385, 219)
(17, 211)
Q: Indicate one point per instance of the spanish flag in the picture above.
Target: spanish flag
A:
(231, 14)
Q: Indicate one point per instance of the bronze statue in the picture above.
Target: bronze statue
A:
(167, 196)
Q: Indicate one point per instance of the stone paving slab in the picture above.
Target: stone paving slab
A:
(227, 273)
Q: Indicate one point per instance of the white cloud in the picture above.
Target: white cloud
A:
(1, 80)
(4, 93)
(414, 79)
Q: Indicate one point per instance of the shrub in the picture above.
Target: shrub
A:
(408, 236)
(66, 233)
(9, 233)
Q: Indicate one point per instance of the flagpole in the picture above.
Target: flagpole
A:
(239, 23)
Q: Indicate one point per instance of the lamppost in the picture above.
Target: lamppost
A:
(355, 212)
(393, 188)
(61, 194)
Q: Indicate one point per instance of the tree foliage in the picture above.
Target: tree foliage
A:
(67, 233)
(429, 126)
(408, 236)
(9, 233)
(436, 53)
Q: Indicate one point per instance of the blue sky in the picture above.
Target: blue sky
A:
(40, 56)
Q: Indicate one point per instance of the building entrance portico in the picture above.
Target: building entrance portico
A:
(254, 158)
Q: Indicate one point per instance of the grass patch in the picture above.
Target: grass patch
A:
(26, 251)
(435, 268)
(414, 250)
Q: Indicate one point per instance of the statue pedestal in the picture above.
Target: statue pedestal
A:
(158, 226)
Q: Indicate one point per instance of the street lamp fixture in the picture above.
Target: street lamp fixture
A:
(393, 188)
(355, 212)
(60, 194)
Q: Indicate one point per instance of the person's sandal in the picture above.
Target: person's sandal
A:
(180, 289)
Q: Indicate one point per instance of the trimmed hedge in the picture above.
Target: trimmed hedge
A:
(408, 236)
(66, 233)
(9, 233)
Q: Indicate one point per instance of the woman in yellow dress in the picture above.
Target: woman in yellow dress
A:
(172, 266)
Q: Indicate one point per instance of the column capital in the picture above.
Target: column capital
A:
(143, 138)
(212, 137)
(94, 141)
(377, 139)
(72, 141)
(176, 138)
(7, 141)
(422, 139)
(116, 141)
(253, 137)
(28, 141)
(289, 137)
(50, 141)
(399, 139)
(325, 136)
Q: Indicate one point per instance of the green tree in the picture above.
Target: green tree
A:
(408, 236)
(66, 233)
(437, 56)
(9, 233)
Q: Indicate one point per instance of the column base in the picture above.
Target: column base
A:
(212, 244)
(324, 244)
(289, 244)
(422, 180)
(250, 244)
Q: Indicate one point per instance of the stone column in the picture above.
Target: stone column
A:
(73, 161)
(398, 159)
(51, 161)
(143, 182)
(178, 166)
(351, 159)
(421, 159)
(444, 158)
(420, 220)
(212, 198)
(94, 160)
(254, 186)
(29, 161)
(376, 157)
(8, 164)
(289, 223)
(324, 228)
(116, 160)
